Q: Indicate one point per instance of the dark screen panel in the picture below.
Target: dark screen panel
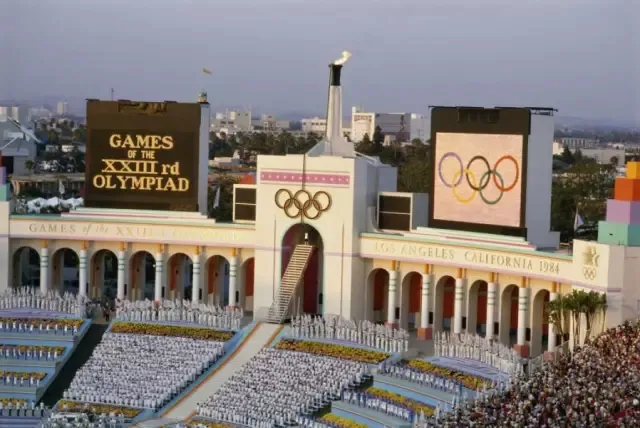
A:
(245, 212)
(142, 155)
(391, 221)
(395, 204)
(245, 196)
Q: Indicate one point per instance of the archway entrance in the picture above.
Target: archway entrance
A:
(104, 275)
(309, 298)
(540, 322)
(377, 295)
(217, 288)
(248, 275)
(477, 309)
(509, 314)
(411, 300)
(179, 276)
(142, 276)
(26, 267)
(444, 309)
(65, 265)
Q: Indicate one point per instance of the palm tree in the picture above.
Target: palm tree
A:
(556, 313)
(592, 303)
(573, 305)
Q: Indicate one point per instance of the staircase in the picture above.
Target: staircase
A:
(292, 277)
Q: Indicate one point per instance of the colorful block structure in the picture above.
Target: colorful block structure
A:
(622, 224)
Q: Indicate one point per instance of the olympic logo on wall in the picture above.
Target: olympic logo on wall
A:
(479, 184)
(303, 203)
(589, 273)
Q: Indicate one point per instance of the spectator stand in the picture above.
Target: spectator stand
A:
(169, 329)
(34, 346)
(229, 348)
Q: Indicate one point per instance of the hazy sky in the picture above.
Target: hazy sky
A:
(580, 56)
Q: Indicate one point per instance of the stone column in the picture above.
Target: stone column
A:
(491, 309)
(233, 280)
(44, 268)
(195, 279)
(425, 332)
(121, 273)
(82, 273)
(523, 317)
(157, 292)
(391, 303)
(457, 306)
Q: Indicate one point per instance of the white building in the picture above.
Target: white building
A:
(63, 108)
(402, 127)
(605, 155)
(576, 143)
(16, 147)
(317, 125)
(17, 113)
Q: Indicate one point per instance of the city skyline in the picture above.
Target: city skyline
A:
(273, 54)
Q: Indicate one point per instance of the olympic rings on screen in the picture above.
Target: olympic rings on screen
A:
(478, 187)
(302, 203)
(474, 188)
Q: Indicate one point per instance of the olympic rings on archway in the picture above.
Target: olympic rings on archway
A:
(302, 203)
(478, 187)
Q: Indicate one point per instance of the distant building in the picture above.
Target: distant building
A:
(606, 155)
(226, 162)
(16, 148)
(317, 125)
(231, 122)
(402, 127)
(63, 108)
(48, 184)
(573, 143)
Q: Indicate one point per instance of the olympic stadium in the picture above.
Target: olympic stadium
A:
(323, 258)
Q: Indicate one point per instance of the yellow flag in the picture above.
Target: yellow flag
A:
(206, 71)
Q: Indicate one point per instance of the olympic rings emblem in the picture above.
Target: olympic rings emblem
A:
(302, 203)
(478, 187)
(589, 273)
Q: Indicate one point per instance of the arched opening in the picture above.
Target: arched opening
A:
(411, 300)
(509, 314)
(444, 309)
(308, 298)
(65, 265)
(377, 295)
(179, 276)
(248, 268)
(104, 275)
(217, 288)
(26, 267)
(477, 308)
(142, 276)
(540, 322)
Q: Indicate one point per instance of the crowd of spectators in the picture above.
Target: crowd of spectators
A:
(597, 385)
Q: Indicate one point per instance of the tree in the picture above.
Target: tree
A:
(29, 165)
(557, 314)
(614, 161)
(378, 139)
(365, 146)
(224, 211)
(52, 137)
(586, 185)
(576, 305)
(567, 157)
